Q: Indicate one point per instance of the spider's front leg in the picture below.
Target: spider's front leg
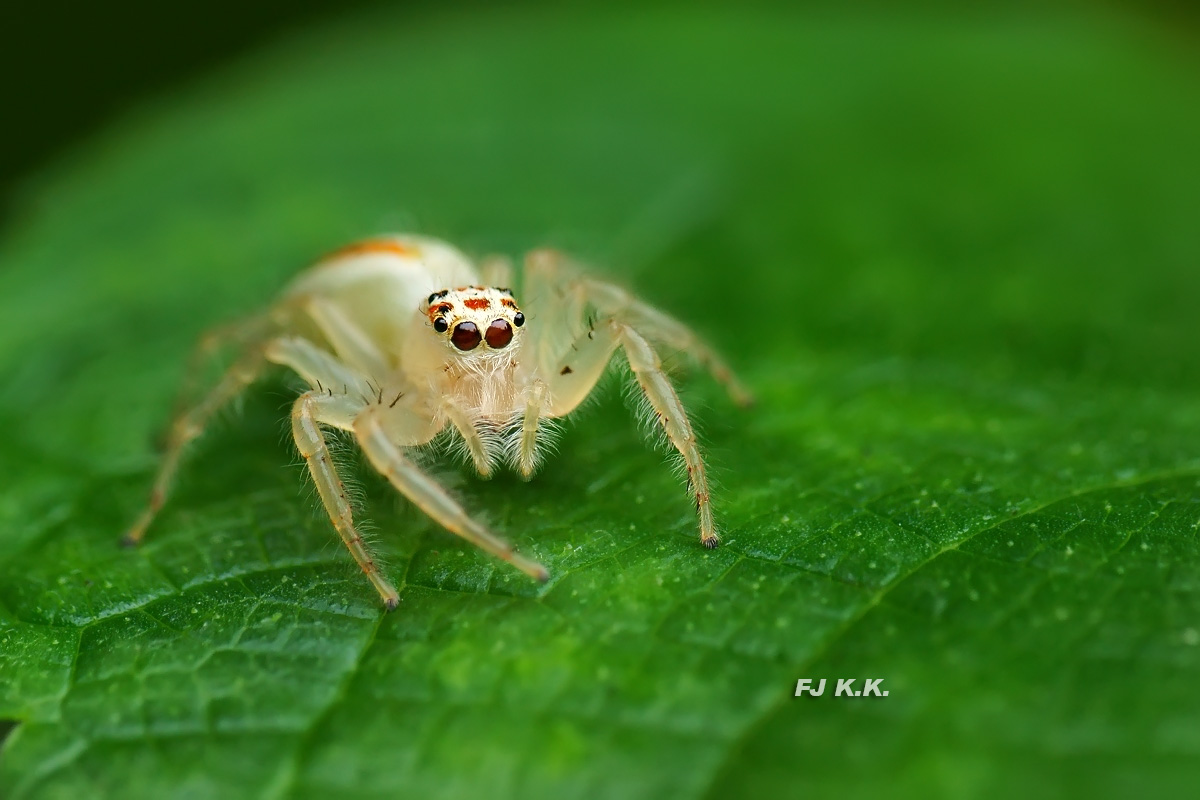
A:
(669, 412)
(572, 366)
(383, 432)
(310, 411)
(325, 406)
(577, 373)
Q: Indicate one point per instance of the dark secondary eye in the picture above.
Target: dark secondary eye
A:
(519, 319)
(499, 334)
(466, 336)
(440, 325)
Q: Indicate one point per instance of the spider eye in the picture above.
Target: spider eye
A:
(519, 319)
(499, 334)
(466, 336)
(440, 325)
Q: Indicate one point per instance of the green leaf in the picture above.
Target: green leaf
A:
(955, 256)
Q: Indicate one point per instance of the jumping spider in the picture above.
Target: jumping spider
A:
(393, 356)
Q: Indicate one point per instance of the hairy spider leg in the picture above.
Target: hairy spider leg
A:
(192, 418)
(580, 366)
(472, 438)
(551, 267)
(319, 368)
(348, 340)
(382, 433)
(671, 415)
(527, 446)
(310, 411)
(496, 271)
(188, 425)
(241, 332)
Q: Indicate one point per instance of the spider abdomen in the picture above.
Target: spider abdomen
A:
(381, 283)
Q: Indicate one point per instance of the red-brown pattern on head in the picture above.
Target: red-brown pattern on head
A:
(475, 321)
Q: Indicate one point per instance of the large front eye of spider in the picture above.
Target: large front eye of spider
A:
(499, 334)
(466, 336)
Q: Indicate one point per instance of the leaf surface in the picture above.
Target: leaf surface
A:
(954, 256)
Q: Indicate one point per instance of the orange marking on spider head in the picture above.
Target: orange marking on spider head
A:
(508, 303)
(476, 303)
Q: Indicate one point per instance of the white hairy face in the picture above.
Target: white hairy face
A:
(476, 321)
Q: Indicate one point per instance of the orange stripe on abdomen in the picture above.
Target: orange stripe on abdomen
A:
(368, 246)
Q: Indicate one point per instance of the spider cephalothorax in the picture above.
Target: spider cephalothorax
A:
(394, 357)
(476, 319)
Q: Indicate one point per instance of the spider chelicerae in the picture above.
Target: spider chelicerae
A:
(400, 337)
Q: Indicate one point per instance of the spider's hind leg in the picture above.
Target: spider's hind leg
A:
(192, 418)
(242, 332)
(496, 271)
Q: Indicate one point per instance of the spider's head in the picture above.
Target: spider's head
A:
(475, 321)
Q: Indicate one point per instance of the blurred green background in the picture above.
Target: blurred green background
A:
(954, 252)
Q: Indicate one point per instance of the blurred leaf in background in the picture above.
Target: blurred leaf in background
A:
(954, 253)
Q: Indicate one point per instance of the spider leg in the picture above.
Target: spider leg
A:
(310, 411)
(313, 364)
(239, 332)
(348, 340)
(476, 447)
(585, 363)
(318, 367)
(377, 428)
(188, 424)
(671, 415)
(496, 271)
(548, 268)
(526, 457)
